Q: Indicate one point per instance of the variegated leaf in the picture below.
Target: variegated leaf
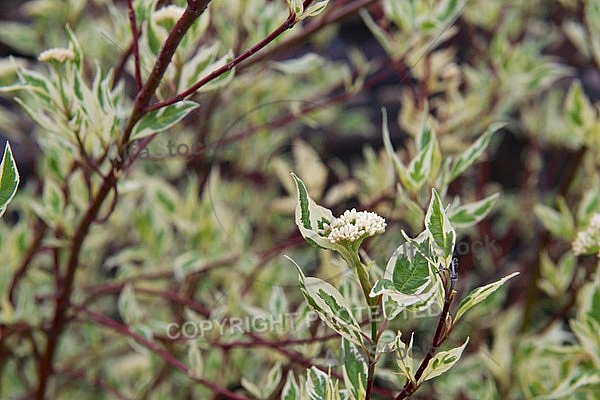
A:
(442, 362)
(480, 294)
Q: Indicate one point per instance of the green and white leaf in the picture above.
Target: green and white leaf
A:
(162, 119)
(290, 390)
(301, 65)
(278, 303)
(9, 178)
(331, 306)
(570, 387)
(193, 69)
(354, 370)
(469, 214)
(195, 360)
(480, 294)
(420, 169)
(267, 386)
(556, 278)
(128, 306)
(310, 217)
(473, 153)
(589, 205)
(439, 227)
(408, 282)
(399, 166)
(560, 223)
(403, 358)
(587, 330)
(314, 9)
(320, 386)
(222, 80)
(442, 362)
(187, 263)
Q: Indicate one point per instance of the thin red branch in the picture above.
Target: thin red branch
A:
(124, 330)
(289, 23)
(135, 44)
(441, 333)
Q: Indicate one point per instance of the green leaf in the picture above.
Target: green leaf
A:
(559, 223)
(577, 106)
(265, 388)
(192, 70)
(469, 214)
(409, 279)
(20, 36)
(354, 370)
(427, 140)
(310, 217)
(556, 278)
(442, 362)
(589, 205)
(162, 119)
(420, 167)
(587, 330)
(40, 86)
(474, 152)
(195, 359)
(301, 65)
(594, 311)
(128, 306)
(440, 229)
(404, 359)
(222, 80)
(409, 276)
(318, 385)
(278, 303)
(449, 11)
(290, 391)
(330, 306)
(314, 9)
(9, 178)
(189, 262)
(480, 294)
(75, 46)
(398, 164)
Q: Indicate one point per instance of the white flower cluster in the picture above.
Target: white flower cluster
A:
(588, 240)
(354, 225)
(57, 55)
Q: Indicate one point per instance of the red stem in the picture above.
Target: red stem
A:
(135, 44)
(441, 333)
(289, 23)
(124, 330)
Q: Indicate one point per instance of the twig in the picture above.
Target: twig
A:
(194, 9)
(40, 231)
(135, 44)
(334, 16)
(124, 330)
(289, 23)
(62, 301)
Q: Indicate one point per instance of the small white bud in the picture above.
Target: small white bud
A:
(57, 55)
